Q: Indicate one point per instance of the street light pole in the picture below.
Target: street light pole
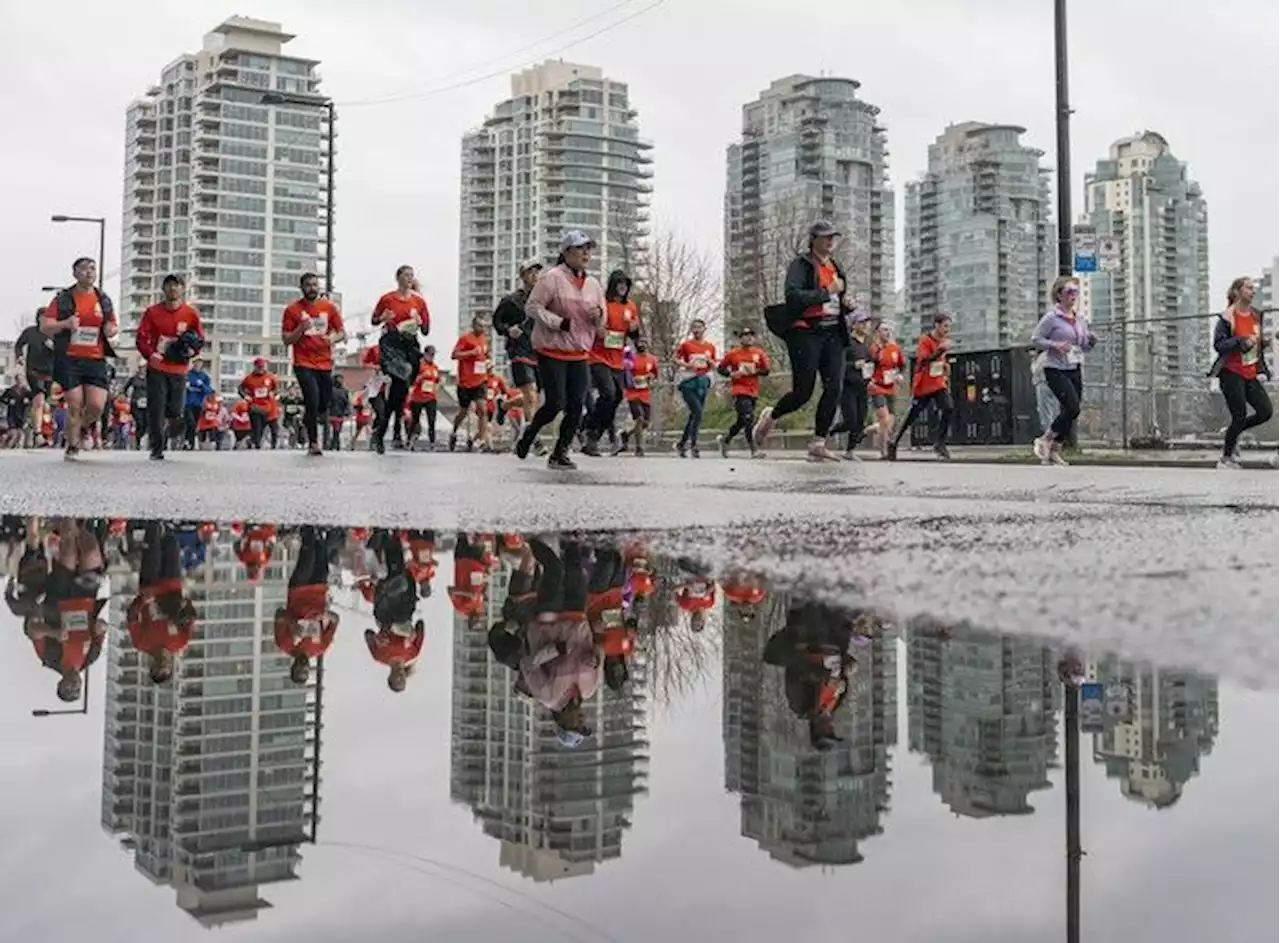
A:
(1066, 261)
(101, 223)
(283, 98)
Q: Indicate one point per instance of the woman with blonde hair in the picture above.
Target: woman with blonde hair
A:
(1064, 337)
(1239, 342)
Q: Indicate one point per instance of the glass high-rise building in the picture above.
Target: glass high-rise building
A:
(810, 149)
(563, 152)
(209, 780)
(226, 190)
(979, 241)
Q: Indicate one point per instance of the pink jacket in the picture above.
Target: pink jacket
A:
(554, 681)
(556, 297)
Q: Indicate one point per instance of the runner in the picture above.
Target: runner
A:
(696, 595)
(516, 416)
(859, 368)
(744, 365)
(254, 549)
(567, 307)
(621, 323)
(259, 387)
(68, 632)
(339, 410)
(311, 326)
(512, 321)
(612, 629)
(815, 291)
(305, 625)
(241, 425)
(641, 372)
(470, 576)
(209, 425)
(930, 386)
(121, 423)
(1240, 344)
(472, 353)
(16, 403)
(199, 385)
(403, 316)
(160, 617)
(815, 650)
(170, 335)
(885, 381)
(1064, 337)
(33, 353)
(398, 641)
(696, 358)
(82, 321)
(420, 554)
(496, 395)
(135, 388)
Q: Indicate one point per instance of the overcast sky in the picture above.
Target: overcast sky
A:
(70, 67)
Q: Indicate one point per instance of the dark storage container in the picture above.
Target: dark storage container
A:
(995, 400)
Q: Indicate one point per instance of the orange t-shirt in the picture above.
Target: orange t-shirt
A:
(313, 350)
(644, 370)
(392, 310)
(889, 363)
(389, 648)
(933, 376)
(1244, 363)
(122, 409)
(149, 629)
(745, 364)
(210, 413)
(240, 415)
(744, 594)
(473, 364)
(86, 340)
(698, 356)
(260, 389)
(620, 319)
(424, 386)
(470, 579)
(495, 388)
(696, 595)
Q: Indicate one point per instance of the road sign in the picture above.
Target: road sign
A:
(1085, 240)
(1092, 711)
(1119, 700)
(1108, 254)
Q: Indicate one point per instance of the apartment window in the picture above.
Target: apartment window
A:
(249, 132)
(241, 221)
(242, 240)
(297, 137)
(297, 155)
(248, 168)
(296, 226)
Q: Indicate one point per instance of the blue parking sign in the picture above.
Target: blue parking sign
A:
(1092, 707)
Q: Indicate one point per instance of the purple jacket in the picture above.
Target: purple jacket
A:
(554, 300)
(1056, 328)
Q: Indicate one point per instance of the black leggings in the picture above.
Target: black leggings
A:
(942, 398)
(607, 383)
(190, 417)
(393, 406)
(165, 394)
(1067, 389)
(257, 426)
(317, 393)
(416, 411)
(853, 410)
(564, 391)
(745, 407)
(562, 584)
(814, 353)
(312, 565)
(1240, 394)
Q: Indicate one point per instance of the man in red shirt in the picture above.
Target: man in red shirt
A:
(161, 617)
(311, 326)
(930, 385)
(404, 317)
(472, 354)
(744, 365)
(259, 388)
(305, 626)
(169, 336)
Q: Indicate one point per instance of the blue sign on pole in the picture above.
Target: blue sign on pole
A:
(1092, 707)
(1086, 261)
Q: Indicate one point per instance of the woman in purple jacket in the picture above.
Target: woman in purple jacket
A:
(1064, 337)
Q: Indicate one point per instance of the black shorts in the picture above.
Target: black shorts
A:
(469, 395)
(39, 383)
(72, 372)
(241, 434)
(523, 374)
(640, 410)
(210, 435)
(883, 401)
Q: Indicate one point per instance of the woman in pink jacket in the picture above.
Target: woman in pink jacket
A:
(567, 308)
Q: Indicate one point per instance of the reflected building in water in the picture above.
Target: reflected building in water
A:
(1172, 721)
(556, 812)
(210, 780)
(804, 806)
(982, 707)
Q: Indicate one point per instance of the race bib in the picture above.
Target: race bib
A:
(614, 339)
(832, 307)
(867, 368)
(85, 336)
(424, 555)
(402, 629)
(890, 376)
(142, 402)
(75, 620)
(612, 618)
(260, 393)
(482, 366)
(699, 361)
(477, 577)
(1075, 356)
(310, 628)
(428, 386)
(747, 369)
(256, 546)
(319, 326)
(1250, 357)
(937, 368)
(640, 383)
(699, 591)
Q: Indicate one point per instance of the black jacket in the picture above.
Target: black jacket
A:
(35, 350)
(1225, 343)
(801, 288)
(340, 402)
(510, 313)
(857, 353)
(813, 631)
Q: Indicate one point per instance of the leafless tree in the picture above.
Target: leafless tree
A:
(677, 658)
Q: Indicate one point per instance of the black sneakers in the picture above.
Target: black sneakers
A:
(561, 461)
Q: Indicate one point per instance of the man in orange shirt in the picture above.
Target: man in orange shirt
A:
(170, 335)
(404, 317)
(241, 424)
(472, 354)
(621, 323)
(305, 625)
(81, 320)
(209, 426)
(640, 377)
(423, 398)
(744, 365)
(259, 388)
(930, 385)
(161, 618)
(311, 326)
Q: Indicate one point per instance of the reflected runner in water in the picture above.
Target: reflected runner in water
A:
(66, 630)
(160, 616)
(305, 625)
(609, 600)
(398, 641)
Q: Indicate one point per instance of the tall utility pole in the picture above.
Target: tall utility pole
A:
(1066, 260)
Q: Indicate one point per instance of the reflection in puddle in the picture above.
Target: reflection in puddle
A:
(213, 640)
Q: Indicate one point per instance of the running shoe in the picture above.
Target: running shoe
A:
(1041, 449)
(764, 426)
(693, 452)
(850, 456)
(943, 452)
(724, 446)
(639, 450)
(591, 448)
(523, 444)
(315, 450)
(1230, 462)
(682, 450)
(1055, 456)
(891, 452)
(561, 462)
(818, 452)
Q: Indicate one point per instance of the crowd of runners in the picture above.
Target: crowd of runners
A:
(575, 353)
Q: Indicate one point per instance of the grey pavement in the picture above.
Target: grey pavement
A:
(1176, 565)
